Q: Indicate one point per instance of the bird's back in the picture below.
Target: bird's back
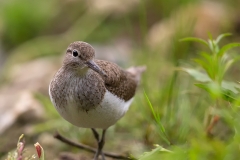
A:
(122, 83)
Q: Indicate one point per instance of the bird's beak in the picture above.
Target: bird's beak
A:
(91, 64)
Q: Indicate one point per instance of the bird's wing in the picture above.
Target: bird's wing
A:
(122, 83)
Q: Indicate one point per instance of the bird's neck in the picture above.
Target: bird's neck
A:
(77, 71)
(82, 71)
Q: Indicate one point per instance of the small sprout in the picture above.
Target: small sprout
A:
(18, 153)
(39, 150)
(20, 147)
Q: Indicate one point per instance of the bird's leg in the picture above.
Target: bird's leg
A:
(95, 133)
(100, 143)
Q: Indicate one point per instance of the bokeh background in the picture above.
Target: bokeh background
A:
(35, 34)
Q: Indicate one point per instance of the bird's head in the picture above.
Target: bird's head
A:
(80, 55)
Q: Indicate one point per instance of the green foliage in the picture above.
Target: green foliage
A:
(161, 129)
(215, 66)
(155, 153)
(24, 19)
(228, 90)
(174, 113)
(192, 117)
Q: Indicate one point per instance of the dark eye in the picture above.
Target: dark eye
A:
(75, 53)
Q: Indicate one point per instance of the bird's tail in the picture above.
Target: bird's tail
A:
(137, 72)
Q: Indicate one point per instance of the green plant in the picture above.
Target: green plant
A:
(214, 65)
(219, 104)
(161, 130)
(18, 153)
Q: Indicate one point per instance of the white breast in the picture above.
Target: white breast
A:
(106, 114)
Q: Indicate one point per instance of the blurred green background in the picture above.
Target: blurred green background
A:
(35, 34)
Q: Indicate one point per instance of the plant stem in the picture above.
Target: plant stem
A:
(213, 122)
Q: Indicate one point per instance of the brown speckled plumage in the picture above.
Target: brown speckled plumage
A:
(82, 89)
(75, 82)
(92, 93)
(118, 81)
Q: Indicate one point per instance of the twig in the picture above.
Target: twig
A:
(212, 124)
(87, 148)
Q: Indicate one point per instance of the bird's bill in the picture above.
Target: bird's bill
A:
(91, 64)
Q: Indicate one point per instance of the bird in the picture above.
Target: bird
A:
(92, 93)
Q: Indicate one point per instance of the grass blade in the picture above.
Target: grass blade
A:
(157, 119)
(227, 47)
(195, 40)
(220, 37)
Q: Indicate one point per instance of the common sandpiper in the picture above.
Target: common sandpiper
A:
(92, 93)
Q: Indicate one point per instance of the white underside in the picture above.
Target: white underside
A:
(103, 116)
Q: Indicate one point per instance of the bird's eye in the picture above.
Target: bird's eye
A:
(75, 53)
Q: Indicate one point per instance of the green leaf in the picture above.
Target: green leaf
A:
(206, 56)
(227, 65)
(199, 40)
(199, 76)
(157, 118)
(158, 121)
(206, 67)
(154, 154)
(227, 47)
(213, 46)
(220, 37)
(231, 86)
(227, 92)
(209, 64)
(212, 88)
(229, 96)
